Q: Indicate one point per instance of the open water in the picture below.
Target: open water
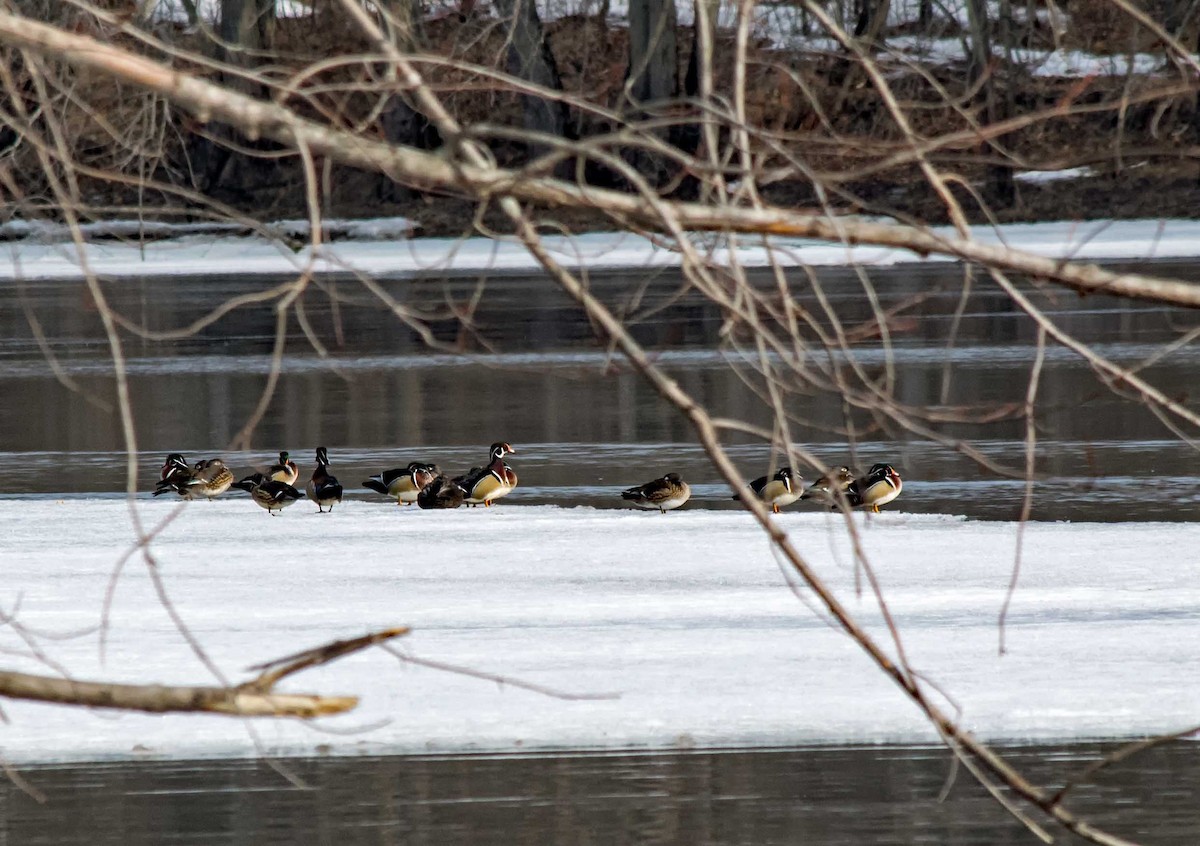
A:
(515, 361)
(886, 796)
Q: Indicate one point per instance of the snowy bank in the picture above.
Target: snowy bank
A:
(222, 256)
(686, 616)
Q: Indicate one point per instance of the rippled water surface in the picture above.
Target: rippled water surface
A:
(526, 368)
(824, 797)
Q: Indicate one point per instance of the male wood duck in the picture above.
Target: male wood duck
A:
(403, 484)
(881, 486)
(827, 487)
(285, 471)
(323, 487)
(441, 493)
(777, 491)
(174, 466)
(271, 494)
(487, 484)
(664, 494)
(173, 475)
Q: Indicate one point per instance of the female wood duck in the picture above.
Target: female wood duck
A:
(777, 491)
(207, 479)
(488, 484)
(285, 471)
(881, 486)
(323, 487)
(664, 494)
(403, 483)
(271, 494)
(211, 478)
(441, 493)
(826, 488)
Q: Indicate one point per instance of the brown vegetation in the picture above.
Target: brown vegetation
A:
(817, 130)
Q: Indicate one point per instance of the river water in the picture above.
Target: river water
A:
(887, 796)
(528, 370)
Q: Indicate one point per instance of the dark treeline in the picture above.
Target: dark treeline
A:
(823, 105)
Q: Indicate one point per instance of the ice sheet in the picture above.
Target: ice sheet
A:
(246, 256)
(687, 616)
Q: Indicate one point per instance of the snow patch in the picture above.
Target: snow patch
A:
(687, 616)
(364, 229)
(1035, 177)
(209, 11)
(257, 255)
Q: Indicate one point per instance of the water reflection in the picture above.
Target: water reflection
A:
(821, 797)
(583, 423)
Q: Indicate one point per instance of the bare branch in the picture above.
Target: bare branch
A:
(253, 698)
(262, 119)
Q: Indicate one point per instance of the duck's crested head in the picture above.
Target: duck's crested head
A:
(673, 478)
(283, 456)
(501, 449)
(250, 482)
(322, 455)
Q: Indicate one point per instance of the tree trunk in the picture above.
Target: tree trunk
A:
(652, 78)
(991, 94)
(529, 58)
(700, 84)
(400, 122)
(245, 31)
(653, 74)
(924, 16)
(872, 18)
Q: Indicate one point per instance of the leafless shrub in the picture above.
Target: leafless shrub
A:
(772, 122)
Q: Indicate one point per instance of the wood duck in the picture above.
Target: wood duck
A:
(208, 478)
(323, 487)
(174, 474)
(285, 471)
(403, 483)
(212, 477)
(271, 494)
(488, 484)
(664, 494)
(881, 486)
(173, 466)
(441, 493)
(777, 491)
(826, 488)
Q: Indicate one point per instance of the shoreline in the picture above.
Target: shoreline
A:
(415, 752)
(209, 255)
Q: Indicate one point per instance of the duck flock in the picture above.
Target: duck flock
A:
(427, 486)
